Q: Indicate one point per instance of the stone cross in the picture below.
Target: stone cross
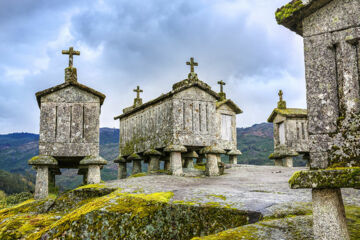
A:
(138, 91)
(192, 63)
(71, 53)
(221, 83)
(280, 95)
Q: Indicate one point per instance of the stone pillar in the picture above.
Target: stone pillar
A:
(212, 156)
(85, 177)
(93, 176)
(189, 159)
(278, 162)
(288, 162)
(51, 177)
(42, 182)
(136, 160)
(122, 173)
(175, 158)
(329, 215)
(93, 165)
(136, 167)
(154, 162)
(167, 165)
(233, 156)
(42, 164)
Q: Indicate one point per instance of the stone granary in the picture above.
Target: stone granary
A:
(188, 122)
(69, 131)
(290, 133)
(331, 33)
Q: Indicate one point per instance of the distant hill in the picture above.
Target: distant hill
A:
(255, 143)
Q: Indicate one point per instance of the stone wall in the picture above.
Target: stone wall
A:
(69, 123)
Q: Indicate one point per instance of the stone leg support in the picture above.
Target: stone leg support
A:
(288, 162)
(42, 182)
(154, 164)
(329, 215)
(189, 163)
(136, 167)
(200, 159)
(176, 163)
(212, 168)
(85, 178)
(233, 159)
(278, 162)
(122, 173)
(167, 166)
(93, 175)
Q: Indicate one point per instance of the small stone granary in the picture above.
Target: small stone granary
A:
(331, 33)
(290, 133)
(191, 121)
(69, 131)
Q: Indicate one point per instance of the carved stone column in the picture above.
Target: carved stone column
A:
(136, 160)
(93, 164)
(175, 158)
(154, 159)
(189, 159)
(212, 155)
(233, 155)
(288, 162)
(41, 164)
(122, 172)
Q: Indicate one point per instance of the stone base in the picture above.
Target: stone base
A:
(329, 215)
(278, 162)
(167, 166)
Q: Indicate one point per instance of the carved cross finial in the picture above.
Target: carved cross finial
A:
(281, 95)
(138, 91)
(71, 53)
(192, 63)
(221, 83)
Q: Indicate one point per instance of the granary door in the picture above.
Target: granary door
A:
(226, 127)
(281, 133)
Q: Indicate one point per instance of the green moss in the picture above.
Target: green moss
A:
(138, 175)
(200, 166)
(222, 197)
(288, 10)
(93, 186)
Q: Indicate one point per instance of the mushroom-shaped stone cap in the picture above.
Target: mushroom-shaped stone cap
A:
(234, 152)
(191, 154)
(43, 160)
(93, 160)
(212, 149)
(152, 152)
(120, 159)
(175, 148)
(134, 156)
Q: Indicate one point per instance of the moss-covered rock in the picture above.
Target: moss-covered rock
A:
(327, 178)
(97, 212)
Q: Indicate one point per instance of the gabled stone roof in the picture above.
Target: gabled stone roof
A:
(56, 88)
(177, 87)
(231, 104)
(289, 113)
(292, 14)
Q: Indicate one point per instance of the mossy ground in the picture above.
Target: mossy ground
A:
(100, 213)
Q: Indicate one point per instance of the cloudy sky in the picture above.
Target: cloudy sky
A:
(146, 42)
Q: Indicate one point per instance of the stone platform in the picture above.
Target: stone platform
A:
(263, 189)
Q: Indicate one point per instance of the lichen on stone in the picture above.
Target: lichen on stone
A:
(287, 10)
